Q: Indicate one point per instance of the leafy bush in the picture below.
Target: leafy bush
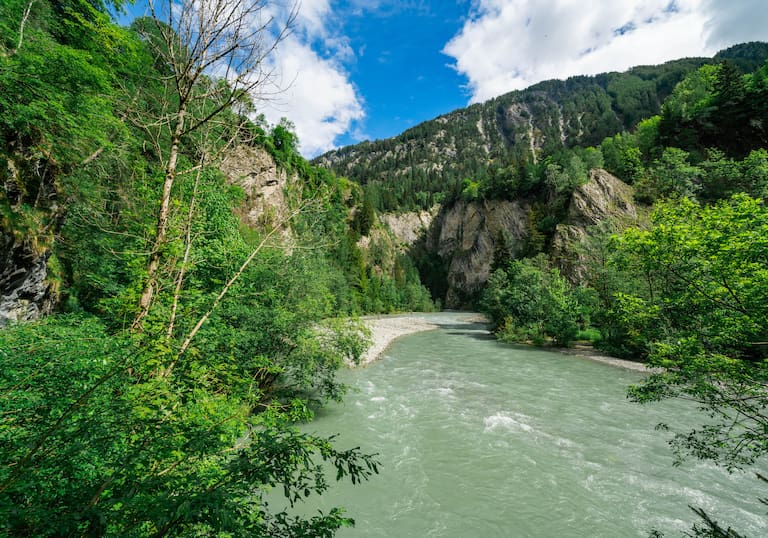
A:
(527, 300)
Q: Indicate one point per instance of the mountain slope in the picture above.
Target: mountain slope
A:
(520, 126)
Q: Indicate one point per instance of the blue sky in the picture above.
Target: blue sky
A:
(353, 70)
(399, 70)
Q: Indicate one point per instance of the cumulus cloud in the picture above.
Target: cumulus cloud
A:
(510, 44)
(311, 86)
(320, 100)
(736, 21)
(312, 16)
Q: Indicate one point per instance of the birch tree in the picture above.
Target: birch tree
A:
(215, 54)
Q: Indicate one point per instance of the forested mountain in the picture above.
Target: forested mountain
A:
(425, 164)
(690, 127)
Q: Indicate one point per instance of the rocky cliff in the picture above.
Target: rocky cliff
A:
(257, 173)
(604, 198)
(469, 233)
(409, 227)
(466, 236)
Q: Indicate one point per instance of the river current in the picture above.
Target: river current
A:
(483, 439)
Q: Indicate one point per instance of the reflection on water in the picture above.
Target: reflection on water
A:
(482, 439)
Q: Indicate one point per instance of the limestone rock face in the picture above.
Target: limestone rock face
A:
(468, 234)
(25, 293)
(411, 226)
(603, 197)
(264, 184)
(467, 237)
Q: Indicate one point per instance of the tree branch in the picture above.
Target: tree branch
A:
(23, 24)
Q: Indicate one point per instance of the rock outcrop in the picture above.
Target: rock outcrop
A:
(29, 194)
(411, 226)
(25, 292)
(604, 197)
(255, 170)
(467, 236)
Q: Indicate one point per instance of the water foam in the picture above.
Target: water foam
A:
(501, 421)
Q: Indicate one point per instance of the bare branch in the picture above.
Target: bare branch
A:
(198, 39)
(24, 19)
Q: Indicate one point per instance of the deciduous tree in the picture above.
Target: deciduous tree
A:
(216, 55)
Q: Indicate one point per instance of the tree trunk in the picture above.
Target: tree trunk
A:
(150, 288)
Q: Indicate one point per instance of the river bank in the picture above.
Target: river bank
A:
(588, 352)
(386, 329)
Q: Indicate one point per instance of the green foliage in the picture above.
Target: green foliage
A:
(591, 335)
(633, 96)
(622, 157)
(184, 427)
(91, 443)
(689, 294)
(284, 144)
(708, 275)
(470, 190)
(528, 301)
(671, 175)
(217, 432)
(694, 95)
(365, 217)
(717, 107)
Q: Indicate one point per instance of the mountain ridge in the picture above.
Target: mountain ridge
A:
(522, 125)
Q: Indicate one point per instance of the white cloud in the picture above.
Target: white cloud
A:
(320, 100)
(313, 88)
(312, 16)
(510, 44)
(736, 21)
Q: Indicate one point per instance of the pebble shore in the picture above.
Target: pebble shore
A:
(387, 329)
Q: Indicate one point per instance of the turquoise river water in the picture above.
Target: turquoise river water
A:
(482, 439)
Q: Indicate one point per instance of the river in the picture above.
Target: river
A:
(483, 439)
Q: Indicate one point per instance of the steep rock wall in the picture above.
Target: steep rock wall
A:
(466, 238)
(467, 235)
(411, 226)
(255, 170)
(604, 197)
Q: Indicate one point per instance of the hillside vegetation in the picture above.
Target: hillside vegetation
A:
(508, 138)
(160, 396)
